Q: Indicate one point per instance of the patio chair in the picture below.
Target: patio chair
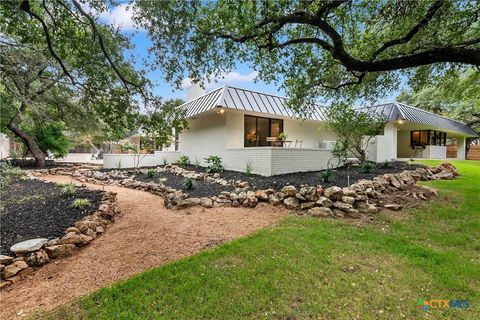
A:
(299, 142)
(50, 155)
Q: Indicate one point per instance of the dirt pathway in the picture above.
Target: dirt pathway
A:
(145, 235)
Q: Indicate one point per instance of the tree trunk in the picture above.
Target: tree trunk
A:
(29, 140)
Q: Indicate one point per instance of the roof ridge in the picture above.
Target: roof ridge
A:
(256, 91)
(426, 111)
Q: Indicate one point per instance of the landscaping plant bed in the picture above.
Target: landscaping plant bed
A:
(38, 209)
(201, 188)
(339, 176)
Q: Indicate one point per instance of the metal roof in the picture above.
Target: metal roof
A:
(247, 100)
(399, 111)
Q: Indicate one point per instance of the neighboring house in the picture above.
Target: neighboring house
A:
(4, 146)
(242, 127)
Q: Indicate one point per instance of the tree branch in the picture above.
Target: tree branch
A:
(421, 24)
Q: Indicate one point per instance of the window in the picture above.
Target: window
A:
(428, 137)
(257, 129)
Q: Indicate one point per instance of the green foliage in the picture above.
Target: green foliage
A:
(165, 161)
(60, 184)
(51, 137)
(150, 173)
(9, 173)
(161, 121)
(340, 153)
(197, 164)
(326, 174)
(329, 49)
(80, 203)
(354, 127)
(69, 189)
(214, 164)
(162, 181)
(367, 167)
(387, 164)
(282, 136)
(248, 169)
(183, 160)
(189, 183)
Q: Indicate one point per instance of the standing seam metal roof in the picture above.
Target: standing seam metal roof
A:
(247, 100)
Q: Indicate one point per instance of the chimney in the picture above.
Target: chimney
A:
(194, 91)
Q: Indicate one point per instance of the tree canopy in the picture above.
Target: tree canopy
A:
(59, 63)
(332, 49)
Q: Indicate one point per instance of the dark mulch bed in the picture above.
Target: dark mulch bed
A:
(37, 209)
(340, 176)
(201, 189)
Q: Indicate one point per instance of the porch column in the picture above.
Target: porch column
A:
(461, 148)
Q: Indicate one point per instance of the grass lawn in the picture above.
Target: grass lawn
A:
(319, 268)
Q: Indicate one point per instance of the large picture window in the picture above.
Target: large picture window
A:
(428, 137)
(257, 129)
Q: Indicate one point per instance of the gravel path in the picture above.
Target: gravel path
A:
(145, 235)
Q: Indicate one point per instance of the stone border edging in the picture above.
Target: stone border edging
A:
(84, 231)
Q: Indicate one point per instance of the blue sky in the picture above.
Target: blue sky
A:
(242, 76)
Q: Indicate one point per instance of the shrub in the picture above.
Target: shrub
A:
(326, 174)
(189, 183)
(162, 181)
(8, 173)
(214, 164)
(69, 189)
(183, 160)
(80, 203)
(248, 169)
(197, 163)
(60, 184)
(150, 173)
(387, 164)
(367, 167)
(165, 161)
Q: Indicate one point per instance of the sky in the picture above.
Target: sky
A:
(243, 76)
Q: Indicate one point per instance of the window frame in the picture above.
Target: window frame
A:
(434, 138)
(246, 144)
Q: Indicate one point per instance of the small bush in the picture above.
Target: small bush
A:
(8, 173)
(60, 184)
(162, 181)
(183, 161)
(248, 169)
(197, 163)
(150, 173)
(69, 189)
(387, 164)
(214, 164)
(367, 167)
(165, 161)
(326, 174)
(189, 183)
(80, 203)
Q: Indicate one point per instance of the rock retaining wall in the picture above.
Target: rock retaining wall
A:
(80, 234)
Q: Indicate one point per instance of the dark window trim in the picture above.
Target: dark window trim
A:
(245, 144)
(439, 138)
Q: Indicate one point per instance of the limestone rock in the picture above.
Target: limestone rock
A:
(28, 245)
(342, 205)
(320, 212)
(349, 192)
(393, 206)
(347, 199)
(189, 202)
(206, 202)
(274, 200)
(37, 258)
(291, 203)
(77, 239)
(261, 195)
(333, 193)
(324, 202)
(5, 259)
(60, 251)
(14, 268)
(289, 191)
(307, 205)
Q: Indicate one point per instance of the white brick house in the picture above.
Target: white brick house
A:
(239, 126)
